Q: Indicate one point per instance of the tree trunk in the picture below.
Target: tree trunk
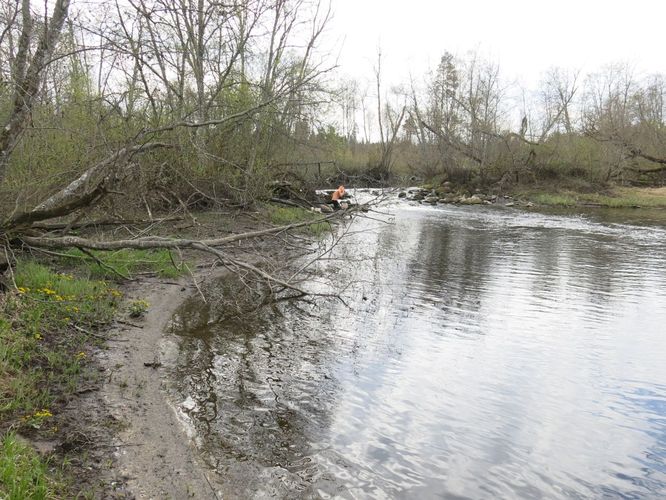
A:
(27, 88)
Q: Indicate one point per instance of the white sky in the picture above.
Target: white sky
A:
(525, 37)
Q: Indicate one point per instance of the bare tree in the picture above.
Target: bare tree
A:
(28, 73)
(389, 121)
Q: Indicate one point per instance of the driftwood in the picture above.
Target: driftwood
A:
(33, 230)
(103, 174)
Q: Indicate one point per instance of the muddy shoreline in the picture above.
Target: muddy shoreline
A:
(122, 435)
(138, 443)
(155, 457)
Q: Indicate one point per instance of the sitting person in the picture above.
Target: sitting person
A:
(337, 195)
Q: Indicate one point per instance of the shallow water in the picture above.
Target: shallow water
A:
(485, 353)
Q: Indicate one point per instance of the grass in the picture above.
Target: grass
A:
(23, 474)
(619, 197)
(127, 262)
(42, 335)
(282, 216)
(557, 200)
(44, 327)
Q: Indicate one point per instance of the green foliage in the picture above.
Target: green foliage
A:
(23, 474)
(328, 137)
(288, 215)
(44, 327)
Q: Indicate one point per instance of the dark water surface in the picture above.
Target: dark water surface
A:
(486, 353)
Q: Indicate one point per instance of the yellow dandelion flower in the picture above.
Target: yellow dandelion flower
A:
(43, 413)
(81, 355)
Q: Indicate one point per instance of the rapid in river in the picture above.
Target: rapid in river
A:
(480, 352)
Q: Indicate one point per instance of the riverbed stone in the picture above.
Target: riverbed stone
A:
(472, 200)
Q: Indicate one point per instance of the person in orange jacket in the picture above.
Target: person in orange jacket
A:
(337, 195)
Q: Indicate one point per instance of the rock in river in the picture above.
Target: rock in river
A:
(472, 200)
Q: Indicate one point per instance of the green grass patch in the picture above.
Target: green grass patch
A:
(24, 475)
(43, 336)
(282, 216)
(127, 262)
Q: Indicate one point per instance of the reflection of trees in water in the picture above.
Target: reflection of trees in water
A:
(583, 267)
(454, 264)
(261, 386)
(448, 266)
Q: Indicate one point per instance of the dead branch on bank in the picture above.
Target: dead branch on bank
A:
(224, 250)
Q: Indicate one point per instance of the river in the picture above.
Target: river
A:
(481, 352)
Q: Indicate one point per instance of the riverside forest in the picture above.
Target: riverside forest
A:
(185, 312)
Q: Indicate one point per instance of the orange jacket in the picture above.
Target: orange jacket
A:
(338, 193)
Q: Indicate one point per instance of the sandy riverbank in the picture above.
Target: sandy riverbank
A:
(155, 456)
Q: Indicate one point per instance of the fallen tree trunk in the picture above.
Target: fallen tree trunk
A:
(156, 242)
(211, 246)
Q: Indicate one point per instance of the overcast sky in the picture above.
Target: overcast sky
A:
(525, 37)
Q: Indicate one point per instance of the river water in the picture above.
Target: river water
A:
(481, 353)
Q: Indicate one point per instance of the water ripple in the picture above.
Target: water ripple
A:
(487, 354)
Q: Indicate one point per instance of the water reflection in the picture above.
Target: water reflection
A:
(485, 354)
